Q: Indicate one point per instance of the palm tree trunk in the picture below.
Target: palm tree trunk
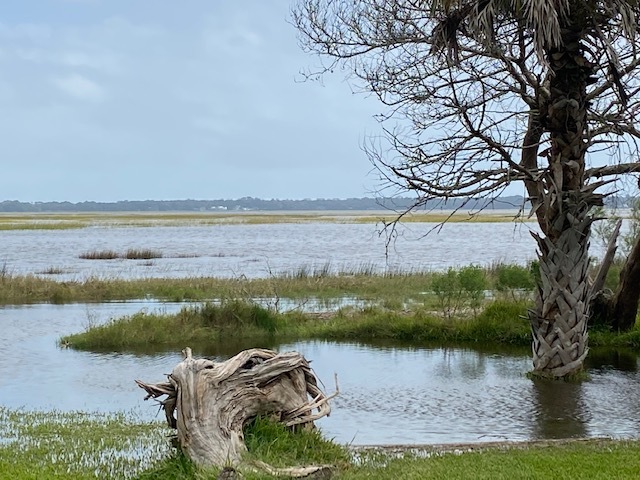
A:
(559, 321)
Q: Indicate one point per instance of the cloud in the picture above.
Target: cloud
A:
(104, 62)
(80, 87)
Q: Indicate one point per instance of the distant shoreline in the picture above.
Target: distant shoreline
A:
(256, 205)
(364, 204)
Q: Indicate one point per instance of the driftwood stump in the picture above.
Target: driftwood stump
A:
(208, 403)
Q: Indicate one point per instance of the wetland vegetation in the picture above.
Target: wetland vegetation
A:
(462, 306)
(64, 221)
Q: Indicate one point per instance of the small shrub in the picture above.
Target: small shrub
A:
(456, 289)
(511, 277)
(473, 282)
(448, 290)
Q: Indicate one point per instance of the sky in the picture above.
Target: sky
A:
(108, 100)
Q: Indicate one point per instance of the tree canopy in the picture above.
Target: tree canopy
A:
(482, 93)
(467, 86)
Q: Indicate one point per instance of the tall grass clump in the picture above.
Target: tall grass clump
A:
(308, 271)
(131, 254)
(280, 446)
(237, 314)
(194, 325)
(501, 322)
(141, 254)
(269, 442)
(99, 255)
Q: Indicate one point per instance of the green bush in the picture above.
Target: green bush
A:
(511, 277)
(457, 289)
(473, 281)
(448, 290)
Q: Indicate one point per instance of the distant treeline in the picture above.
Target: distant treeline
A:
(250, 203)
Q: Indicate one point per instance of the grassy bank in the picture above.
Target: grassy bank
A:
(54, 445)
(501, 322)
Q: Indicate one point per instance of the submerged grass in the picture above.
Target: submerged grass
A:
(51, 444)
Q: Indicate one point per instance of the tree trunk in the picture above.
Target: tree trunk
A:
(559, 321)
(625, 301)
(213, 401)
(617, 311)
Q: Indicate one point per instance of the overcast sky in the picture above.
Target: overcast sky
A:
(110, 100)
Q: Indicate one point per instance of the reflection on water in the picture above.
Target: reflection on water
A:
(389, 393)
(560, 409)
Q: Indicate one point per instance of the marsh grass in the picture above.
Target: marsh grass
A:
(130, 254)
(60, 221)
(192, 325)
(141, 254)
(501, 322)
(317, 282)
(77, 445)
(5, 226)
(31, 288)
(52, 271)
(99, 255)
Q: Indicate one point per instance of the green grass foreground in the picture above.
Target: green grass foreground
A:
(55, 445)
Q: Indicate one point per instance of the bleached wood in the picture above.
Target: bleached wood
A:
(208, 402)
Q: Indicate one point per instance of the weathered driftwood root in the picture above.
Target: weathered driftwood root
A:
(213, 401)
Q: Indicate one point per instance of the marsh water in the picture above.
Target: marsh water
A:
(389, 394)
(261, 250)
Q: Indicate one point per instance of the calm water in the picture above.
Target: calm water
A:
(261, 250)
(388, 394)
